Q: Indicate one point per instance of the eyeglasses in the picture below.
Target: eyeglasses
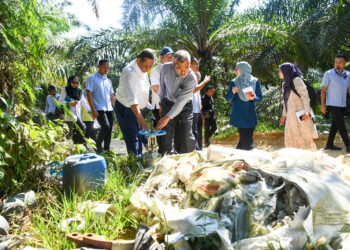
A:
(75, 82)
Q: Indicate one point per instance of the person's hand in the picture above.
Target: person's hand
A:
(162, 122)
(215, 117)
(141, 122)
(306, 117)
(94, 114)
(282, 120)
(251, 96)
(235, 90)
(203, 121)
(323, 109)
(160, 110)
(73, 103)
(207, 79)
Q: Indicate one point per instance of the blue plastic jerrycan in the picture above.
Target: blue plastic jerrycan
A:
(83, 173)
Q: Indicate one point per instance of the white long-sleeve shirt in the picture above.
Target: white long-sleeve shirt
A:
(76, 111)
(133, 86)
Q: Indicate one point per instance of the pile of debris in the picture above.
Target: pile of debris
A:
(232, 199)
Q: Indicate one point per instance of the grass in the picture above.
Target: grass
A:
(54, 207)
(263, 127)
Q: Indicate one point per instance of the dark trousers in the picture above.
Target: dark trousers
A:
(209, 129)
(52, 116)
(197, 128)
(77, 136)
(246, 138)
(186, 142)
(338, 124)
(90, 131)
(129, 127)
(155, 120)
(106, 120)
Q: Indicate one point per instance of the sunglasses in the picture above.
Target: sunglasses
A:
(75, 82)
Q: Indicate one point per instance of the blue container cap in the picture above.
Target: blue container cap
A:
(70, 160)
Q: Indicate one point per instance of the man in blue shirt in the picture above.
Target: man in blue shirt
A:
(100, 96)
(335, 86)
(50, 109)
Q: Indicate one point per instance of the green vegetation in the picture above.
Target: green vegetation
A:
(33, 55)
(54, 207)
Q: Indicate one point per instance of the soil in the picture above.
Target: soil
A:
(272, 141)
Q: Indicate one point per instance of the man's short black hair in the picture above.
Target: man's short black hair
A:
(103, 61)
(342, 56)
(146, 53)
(209, 87)
(51, 87)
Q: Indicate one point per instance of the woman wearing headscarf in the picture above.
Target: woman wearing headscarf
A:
(73, 98)
(244, 91)
(299, 129)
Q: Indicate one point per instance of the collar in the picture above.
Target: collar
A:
(341, 74)
(99, 74)
(137, 69)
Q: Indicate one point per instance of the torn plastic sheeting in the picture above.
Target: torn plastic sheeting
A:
(297, 168)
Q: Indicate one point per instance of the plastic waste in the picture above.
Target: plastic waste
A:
(248, 199)
(4, 226)
(19, 202)
(77, 223)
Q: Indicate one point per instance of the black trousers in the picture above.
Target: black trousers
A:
(52, 116)
(106, 120)
(246, 138)
(183, 130)
(209, 129)
(338, 124)
(90, 131)
(197, 128)
(77, 137)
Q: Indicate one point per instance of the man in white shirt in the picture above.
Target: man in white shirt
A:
(132, 97)
(166, 56)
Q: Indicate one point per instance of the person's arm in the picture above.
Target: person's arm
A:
(258, 93)
(155, 78)
(202, 84)
(85, 104)
(300, 87)
(284, 112)
(47, 104)
(325, 84)
(63, 95)
(184, 96)
(94, 113)
(89, 91)
(111, 92)
(140, 119)
(230, 96)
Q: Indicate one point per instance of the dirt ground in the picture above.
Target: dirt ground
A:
(273, 141)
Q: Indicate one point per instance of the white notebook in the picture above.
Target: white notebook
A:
(248, 90)
(301, 113)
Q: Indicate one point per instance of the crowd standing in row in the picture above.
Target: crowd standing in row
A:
(178, 108)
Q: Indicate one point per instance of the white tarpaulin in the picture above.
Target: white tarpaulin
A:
(250, 200)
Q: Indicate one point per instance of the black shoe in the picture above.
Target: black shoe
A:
(332, 148)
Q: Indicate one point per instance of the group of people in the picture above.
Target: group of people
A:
(178, 108)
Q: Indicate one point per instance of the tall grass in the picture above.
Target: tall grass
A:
(54, 207)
